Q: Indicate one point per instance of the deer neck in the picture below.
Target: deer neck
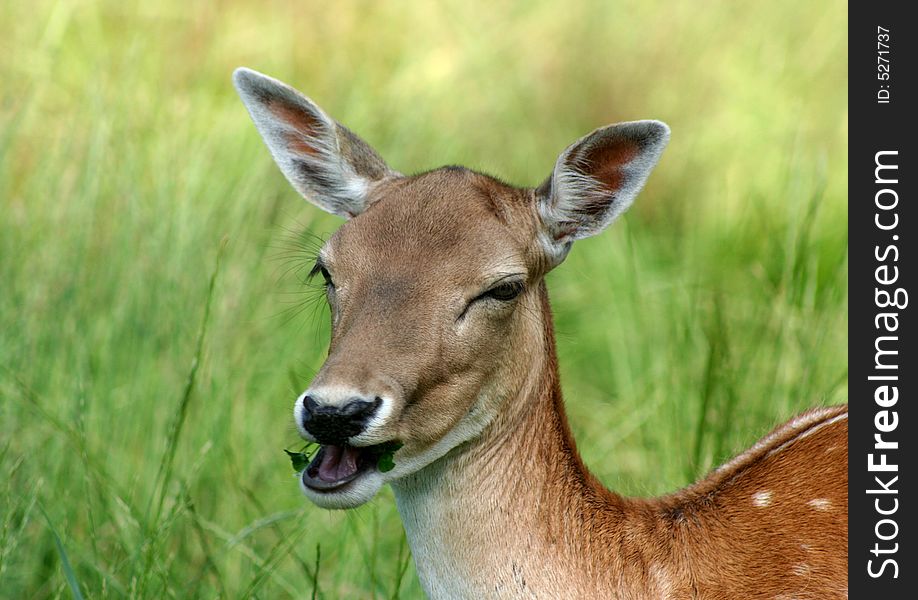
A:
(483, 520)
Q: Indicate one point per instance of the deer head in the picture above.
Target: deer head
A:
(435, 284)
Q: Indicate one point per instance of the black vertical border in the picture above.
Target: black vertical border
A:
(876, 127)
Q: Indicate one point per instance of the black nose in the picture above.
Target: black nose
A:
(335, 424)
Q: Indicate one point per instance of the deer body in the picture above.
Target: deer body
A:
(442, 341)
(515, 514)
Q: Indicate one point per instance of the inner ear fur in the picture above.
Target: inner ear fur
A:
(324, 161)
(597, 178)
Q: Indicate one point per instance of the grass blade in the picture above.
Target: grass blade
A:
(65, 561)
(315, 573)
(164, 477)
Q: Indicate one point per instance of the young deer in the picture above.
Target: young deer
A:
(442, 341)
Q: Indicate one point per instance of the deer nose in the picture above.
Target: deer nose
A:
(334, 424)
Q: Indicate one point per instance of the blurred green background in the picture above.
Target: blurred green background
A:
(716, 308)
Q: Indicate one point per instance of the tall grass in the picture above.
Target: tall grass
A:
(716, 308)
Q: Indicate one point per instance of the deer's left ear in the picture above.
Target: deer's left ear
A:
(326, 163)
(596, 179)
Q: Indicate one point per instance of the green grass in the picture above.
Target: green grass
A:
(152, 434)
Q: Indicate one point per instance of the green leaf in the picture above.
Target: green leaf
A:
(386, 463)
(386, 460)
(299, 460)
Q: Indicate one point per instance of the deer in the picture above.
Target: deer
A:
(442, 346)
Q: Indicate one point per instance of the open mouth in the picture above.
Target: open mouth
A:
(333, 467)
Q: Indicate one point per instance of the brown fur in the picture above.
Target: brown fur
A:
(528, 516)
(495, 499)
(605, 162)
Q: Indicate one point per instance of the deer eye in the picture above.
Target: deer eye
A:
(505, 292)
(319, 269)
(327, 277)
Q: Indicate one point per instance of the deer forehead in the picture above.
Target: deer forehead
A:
(449, 226)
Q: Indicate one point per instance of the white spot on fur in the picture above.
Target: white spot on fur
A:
(820, 503)
(801, 569)
(762, 499)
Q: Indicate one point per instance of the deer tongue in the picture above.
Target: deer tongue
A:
(338, 462)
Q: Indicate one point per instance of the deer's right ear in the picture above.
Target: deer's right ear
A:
(595, 180)
(326, 163)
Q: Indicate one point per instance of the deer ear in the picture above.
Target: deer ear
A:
(596, 179)
(326, 163)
